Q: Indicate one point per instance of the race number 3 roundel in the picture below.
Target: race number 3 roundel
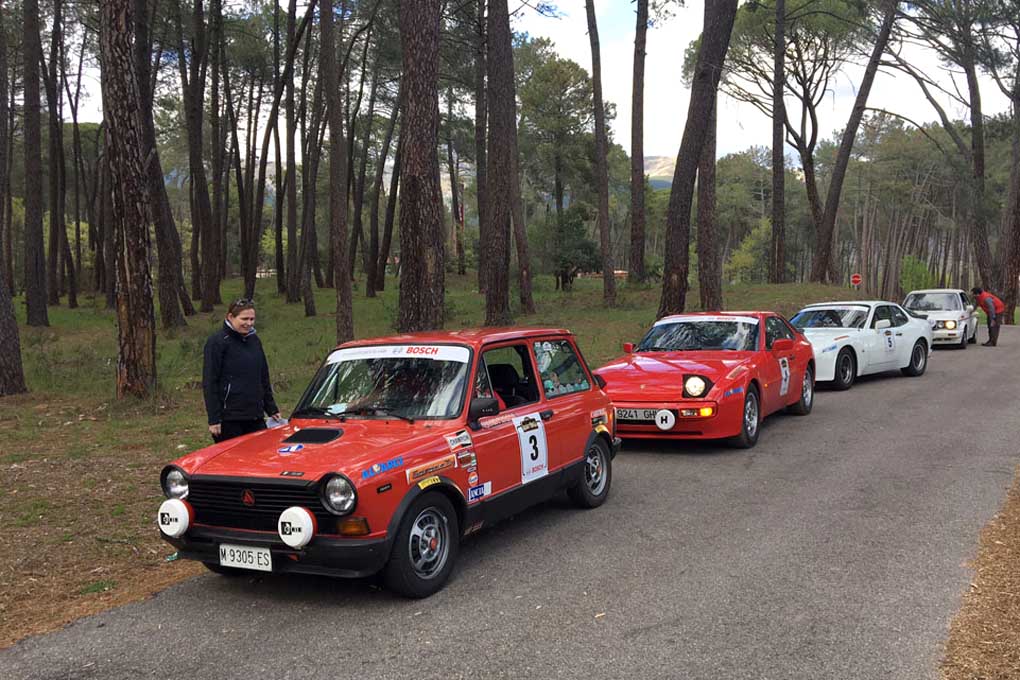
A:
(534, 452)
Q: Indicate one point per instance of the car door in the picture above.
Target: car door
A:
(880, 343)
(566, 384)
(778, 367)
(970, 310)
(905, 334)
(511, 447)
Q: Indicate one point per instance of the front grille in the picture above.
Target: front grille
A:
(220, 503)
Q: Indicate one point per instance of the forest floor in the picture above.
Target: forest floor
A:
(79, 470)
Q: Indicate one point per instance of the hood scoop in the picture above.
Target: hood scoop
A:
(314, 435)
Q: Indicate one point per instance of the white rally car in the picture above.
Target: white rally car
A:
(851, 339)
(951, 313)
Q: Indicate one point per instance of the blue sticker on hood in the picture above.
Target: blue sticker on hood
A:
(293, 448)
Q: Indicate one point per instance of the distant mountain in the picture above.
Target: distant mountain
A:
(660, 171)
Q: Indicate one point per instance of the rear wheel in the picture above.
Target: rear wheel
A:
(592, 489)
(425, 548)
(918, 360)
(807, 394)
(963, 339)
(846, 369)
(973, 338)
(750, 422)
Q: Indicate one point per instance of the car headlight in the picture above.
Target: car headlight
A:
(175, 483)
(695, 386)
(338, 495)
(951, 325)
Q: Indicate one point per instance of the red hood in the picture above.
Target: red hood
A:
(363, 443)
(654, 376)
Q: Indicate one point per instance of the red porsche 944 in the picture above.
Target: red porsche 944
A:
(710, 376)
(399, 447)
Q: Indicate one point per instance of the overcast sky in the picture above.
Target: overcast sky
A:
(666, 98)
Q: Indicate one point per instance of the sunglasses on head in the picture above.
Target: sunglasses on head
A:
(241, 304)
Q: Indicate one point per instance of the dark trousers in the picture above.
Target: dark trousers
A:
(235, 428)
(993, 330)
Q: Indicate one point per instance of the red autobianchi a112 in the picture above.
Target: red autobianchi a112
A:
(399, 447)
(710, 376)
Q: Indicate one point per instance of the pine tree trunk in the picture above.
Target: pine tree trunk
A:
(422, 242)
(359, 183)
(777, 253)
(292, 283)
(1011, 251)
(520, 229)
(709, 271)
(337, 175)
(35, 257)
(136, 324)
(58, 230)
(391, 212)
(211, 245)
(601, 162)
(715, 40)
(481, 115)
(821, 267)
(451, 168)
(372, 273)
(637, 150)
(5, 153)
(500, 164)
(12, 375)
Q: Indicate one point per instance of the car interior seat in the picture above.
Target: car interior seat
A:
(506, 381)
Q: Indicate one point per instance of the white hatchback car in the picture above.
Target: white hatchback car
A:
(954, 321)
(856, 338)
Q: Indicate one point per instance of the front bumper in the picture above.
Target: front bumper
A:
(324, 556)
(942, 336)
(725, 422)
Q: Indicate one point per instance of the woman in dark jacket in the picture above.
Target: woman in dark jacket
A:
(235, 376)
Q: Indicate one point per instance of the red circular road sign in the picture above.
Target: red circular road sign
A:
(855, 279)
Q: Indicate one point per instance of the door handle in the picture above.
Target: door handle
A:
(547, 414)
(899, 335)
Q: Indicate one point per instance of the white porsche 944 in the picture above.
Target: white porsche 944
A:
(851, 339)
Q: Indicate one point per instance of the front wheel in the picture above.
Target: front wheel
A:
(918, 360)
(807, 394)
(425, 548)
(963, 340)
(592, 489)
(750, 421)
(973, 338)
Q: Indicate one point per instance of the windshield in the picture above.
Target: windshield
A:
(403, 381)
(702, 333)
(831, 317)
(933, 302)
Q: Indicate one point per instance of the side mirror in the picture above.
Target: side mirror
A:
(782, 345)
(628, 347)
(882, 323)
(480, 408)
(600, 381)
(970, 309)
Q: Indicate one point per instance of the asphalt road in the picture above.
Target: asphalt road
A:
(835, 549)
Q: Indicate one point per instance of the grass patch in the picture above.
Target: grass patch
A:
(97, 587)
(70, 434)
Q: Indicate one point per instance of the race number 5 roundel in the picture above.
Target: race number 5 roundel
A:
(534, 453)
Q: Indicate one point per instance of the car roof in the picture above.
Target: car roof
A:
(937, 290)
(473, 337)
(851, 303)
(686, 315)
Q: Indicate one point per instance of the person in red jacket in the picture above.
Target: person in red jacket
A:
(994, 308)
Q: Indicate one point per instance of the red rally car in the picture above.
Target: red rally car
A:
(399, 447)
(710, 376)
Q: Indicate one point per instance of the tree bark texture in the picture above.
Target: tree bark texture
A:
(636, 271)
(372, 273)
(211, 237)
(5, 153)
(35, 257)
(58, 231)
(136, 324)
(481, 123)
(455, 202)
(520, 229)
(328, 67)
(709, 270)
(1011, 252)
(601, 162)
(291, 278)
(422, 242)
(500, 164)
(361, 178)
(715, 39)
(777, 252)
(821, 267)
(391, 214)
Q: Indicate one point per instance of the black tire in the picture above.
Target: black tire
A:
(918, 360)
(233, 572)
(748, 436)
(592, 489)
(430, 521)
(973, 338)
(963, 340)
(807, 394)
(846, 369)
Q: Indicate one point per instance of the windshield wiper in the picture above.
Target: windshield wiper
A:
(314, 412)
(377, 410)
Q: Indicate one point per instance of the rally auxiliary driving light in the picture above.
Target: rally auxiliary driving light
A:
(174, 517)
(296, 526)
